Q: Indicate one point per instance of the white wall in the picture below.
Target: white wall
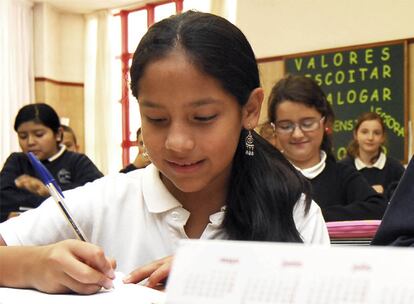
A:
(274, 27)
(58, 44)
(277, 27)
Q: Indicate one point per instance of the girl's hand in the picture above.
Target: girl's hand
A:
(156, 272)
(70, 266)
(378, 188)
(31, 184)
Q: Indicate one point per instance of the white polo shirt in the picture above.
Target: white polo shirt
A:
(133, 218)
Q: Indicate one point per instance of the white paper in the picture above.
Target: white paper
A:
(222, 272)
(122, 293)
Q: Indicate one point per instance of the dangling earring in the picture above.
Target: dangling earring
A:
(145, 153)
(249, 144)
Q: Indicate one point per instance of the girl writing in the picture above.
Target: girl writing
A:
(211, 177)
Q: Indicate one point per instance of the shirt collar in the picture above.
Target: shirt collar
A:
(380, 163)
(315, 170)
(156, 196)
(58, 154)
(158, 199)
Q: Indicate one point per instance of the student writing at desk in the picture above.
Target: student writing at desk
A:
(39, 131)
(196, 79)
(300, 112)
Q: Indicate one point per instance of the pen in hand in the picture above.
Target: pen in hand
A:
(56, 194)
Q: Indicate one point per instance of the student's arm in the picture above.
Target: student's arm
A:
(12, 197)
(362, 202)
(67, 266)
(32, 184)
(397, 226)
(156, 272)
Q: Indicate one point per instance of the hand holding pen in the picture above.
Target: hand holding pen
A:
(56, 194)
(78, 266)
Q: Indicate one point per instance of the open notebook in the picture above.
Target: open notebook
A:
(122, 293)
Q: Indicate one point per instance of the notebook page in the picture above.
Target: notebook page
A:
(122, 293)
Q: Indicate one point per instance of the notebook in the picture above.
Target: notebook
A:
(121, 293)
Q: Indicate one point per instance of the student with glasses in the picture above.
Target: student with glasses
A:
(301, 115)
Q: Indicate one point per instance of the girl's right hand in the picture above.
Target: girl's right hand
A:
(378, 188)
(31, 184)
(70, 266)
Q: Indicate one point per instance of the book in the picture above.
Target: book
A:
(353, 229)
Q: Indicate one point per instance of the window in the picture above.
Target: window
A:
(133, 25)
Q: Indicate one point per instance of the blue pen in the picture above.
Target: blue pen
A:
(55, 193)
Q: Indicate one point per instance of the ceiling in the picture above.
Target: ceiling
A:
(88, 6)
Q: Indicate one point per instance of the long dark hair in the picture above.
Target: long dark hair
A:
(263, 189)
(303, 90)
(353, 147)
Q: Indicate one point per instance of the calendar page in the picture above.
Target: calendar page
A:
(223, 272)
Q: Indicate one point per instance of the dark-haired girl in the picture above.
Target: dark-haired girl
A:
(301, 115)
(39, 131)
(212, 177)
(365, 153)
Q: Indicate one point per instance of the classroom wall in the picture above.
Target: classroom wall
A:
(274, 27)
(59, 63)
(278, 28)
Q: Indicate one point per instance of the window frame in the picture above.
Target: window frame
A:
(125, 56)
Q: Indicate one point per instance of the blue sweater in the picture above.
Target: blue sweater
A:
(70, 170)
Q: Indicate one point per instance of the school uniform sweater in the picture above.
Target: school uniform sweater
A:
(397, 226)
(343, 194)
(387, 176)
(128, 168)
(69, 169)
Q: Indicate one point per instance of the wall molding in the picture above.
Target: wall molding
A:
(62, 83)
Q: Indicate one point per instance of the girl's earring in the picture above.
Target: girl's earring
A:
(145, 153)
(249, 144)
(273, 127)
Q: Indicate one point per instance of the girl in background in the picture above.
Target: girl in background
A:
(39, 131)
(211, 176)
(300, 112)
(366, 154)
(69, 139)
(141, 160)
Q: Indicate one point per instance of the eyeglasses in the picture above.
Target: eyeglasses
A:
(305, 125)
